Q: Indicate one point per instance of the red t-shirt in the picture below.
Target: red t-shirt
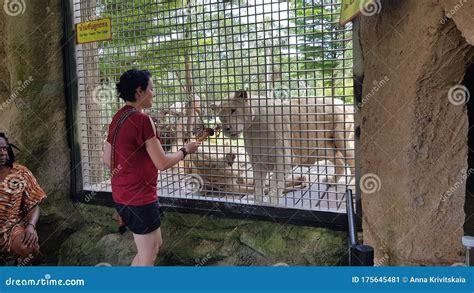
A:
(134, 177)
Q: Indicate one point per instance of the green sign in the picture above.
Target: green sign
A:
(351, 8)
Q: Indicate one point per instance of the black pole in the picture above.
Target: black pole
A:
(71, 99)
(359, 254)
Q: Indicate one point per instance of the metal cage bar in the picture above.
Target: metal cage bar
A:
(291, 58)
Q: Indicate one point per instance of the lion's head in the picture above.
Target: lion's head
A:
(235, 114)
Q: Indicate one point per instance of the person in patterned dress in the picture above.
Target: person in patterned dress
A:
(20, 196)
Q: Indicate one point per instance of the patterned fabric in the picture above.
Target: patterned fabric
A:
(19, 193)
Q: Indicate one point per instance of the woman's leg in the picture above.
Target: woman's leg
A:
(148, 246)
(135, 261)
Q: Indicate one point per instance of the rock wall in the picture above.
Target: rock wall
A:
(76, 234)
(413, 138)
(195, 240)
(32, 111)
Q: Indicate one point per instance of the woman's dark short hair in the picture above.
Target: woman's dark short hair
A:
(11, 155)
(130, 81)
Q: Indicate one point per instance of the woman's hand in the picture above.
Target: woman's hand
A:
(192, 147)
(31, 237)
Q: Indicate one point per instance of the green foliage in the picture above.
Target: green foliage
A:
(305, 53)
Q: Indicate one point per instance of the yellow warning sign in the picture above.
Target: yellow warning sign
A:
(94, 31)
(352, 8)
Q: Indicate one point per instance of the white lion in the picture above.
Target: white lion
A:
(280, 134)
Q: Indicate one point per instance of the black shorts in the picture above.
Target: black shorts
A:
(141, 219)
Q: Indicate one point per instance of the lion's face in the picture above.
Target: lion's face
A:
(235, 114)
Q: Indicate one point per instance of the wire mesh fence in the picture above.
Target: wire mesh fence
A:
(271, 81)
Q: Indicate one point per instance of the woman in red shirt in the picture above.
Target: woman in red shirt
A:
(134, 154)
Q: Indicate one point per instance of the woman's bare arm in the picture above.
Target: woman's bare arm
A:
(107, 156)
(161, 160)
